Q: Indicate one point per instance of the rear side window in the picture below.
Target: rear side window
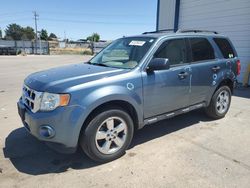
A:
(225, 47)
(201, 49)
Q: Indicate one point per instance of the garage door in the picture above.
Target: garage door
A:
(229, 17)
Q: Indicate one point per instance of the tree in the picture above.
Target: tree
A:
(1, 34)
(95, 37)
(52, 36)
(14, 32)
(28, 33)
(44, 35)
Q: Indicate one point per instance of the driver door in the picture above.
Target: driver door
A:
(168, 90)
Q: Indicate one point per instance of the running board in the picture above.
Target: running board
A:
(173, 113)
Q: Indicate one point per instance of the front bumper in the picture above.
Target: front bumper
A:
(65, 121)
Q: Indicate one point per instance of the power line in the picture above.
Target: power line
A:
(96, 22)
(94, 14)
(76, 13)
(14, 20)
(14, 13)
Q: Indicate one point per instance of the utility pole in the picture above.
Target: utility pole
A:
(65, 40)
(36, 18)
(40, 42)
(1, 34)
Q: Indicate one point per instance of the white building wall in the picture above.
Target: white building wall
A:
(166, 14)
(229, 17)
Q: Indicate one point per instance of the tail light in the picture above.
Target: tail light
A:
(238, 67)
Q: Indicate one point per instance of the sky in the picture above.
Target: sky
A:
(77, 19)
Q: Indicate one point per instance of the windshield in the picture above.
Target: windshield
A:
(124, 53)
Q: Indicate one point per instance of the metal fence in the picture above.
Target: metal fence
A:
(28, 47)
(98, 46)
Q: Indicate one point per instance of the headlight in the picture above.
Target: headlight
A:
(51, 101)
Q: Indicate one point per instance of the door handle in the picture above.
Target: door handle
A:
(216, 68)
(182, 75)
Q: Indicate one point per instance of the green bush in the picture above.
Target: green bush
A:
(18, 52)
(87, 52)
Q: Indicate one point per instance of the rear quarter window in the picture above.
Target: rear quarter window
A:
(201, 49)
(225, 47)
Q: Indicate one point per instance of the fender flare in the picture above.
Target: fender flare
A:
(108, 94)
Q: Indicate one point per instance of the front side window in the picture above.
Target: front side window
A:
(225, 47)
(201, 49)
(124, 53)
(173, 50)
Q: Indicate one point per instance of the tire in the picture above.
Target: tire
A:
(220, 103)
(108, 135)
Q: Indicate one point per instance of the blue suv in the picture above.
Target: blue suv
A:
(133, 82)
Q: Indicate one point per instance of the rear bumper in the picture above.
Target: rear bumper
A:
(65, 122)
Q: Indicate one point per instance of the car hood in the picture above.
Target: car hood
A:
(58, 79)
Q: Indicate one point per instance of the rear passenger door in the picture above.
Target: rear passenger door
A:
(205, 69)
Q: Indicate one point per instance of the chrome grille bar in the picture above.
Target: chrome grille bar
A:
(31, 98)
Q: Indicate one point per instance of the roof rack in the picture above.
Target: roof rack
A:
(158, 31)
(195, 31)
(181, 31)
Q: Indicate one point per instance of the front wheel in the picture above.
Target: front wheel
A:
(108, 135)
(220, 103)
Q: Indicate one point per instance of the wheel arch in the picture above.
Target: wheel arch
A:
(226, 82)
(120, 104)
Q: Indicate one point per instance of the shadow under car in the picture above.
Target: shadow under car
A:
(31, 156)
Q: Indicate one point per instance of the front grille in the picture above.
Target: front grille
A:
(31, 98)
(28, 97)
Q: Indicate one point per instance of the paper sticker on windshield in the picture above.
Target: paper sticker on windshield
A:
(136, 43)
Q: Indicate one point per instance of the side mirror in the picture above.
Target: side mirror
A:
(158, 64)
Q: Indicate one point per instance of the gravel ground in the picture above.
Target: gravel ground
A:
(187, 151)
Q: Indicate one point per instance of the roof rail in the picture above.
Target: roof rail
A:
(195, 31)
(158, 31)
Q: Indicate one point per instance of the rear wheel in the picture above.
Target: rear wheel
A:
(108, 135)
(220, 103)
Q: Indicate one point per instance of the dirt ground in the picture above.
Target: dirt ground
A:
(190, 150)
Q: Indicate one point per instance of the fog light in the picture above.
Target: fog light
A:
(47, 131)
